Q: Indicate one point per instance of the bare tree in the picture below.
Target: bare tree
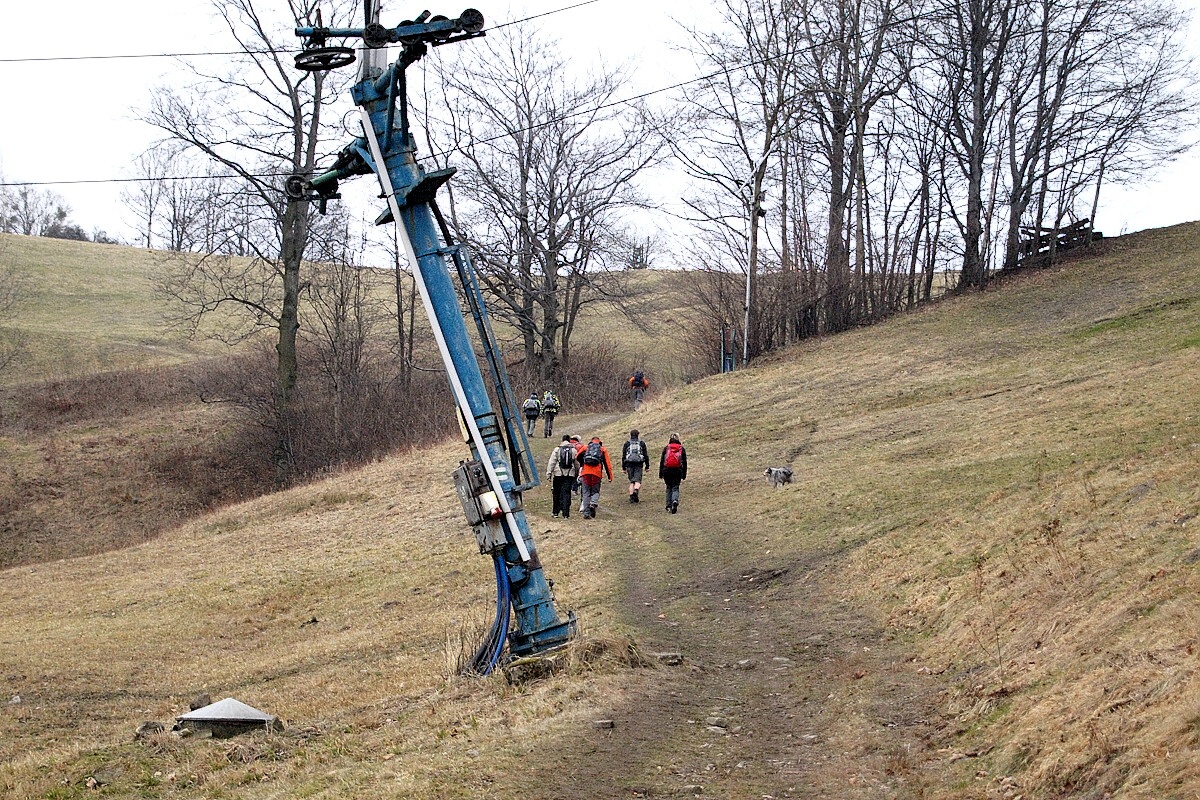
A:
(740, 118)
(343, 302)
(549, 166)
(32, 212)
(258, 121)
(176, 207)
(972, 46)
(1138, 104)
(887, 133)
(12, 289)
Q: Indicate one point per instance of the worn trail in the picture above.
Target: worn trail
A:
(785, 689)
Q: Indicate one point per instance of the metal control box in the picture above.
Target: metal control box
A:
(480, 504)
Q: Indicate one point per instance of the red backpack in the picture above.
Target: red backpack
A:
(674, 457)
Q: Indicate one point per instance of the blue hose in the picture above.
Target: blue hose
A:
(487, 655)
(503, 598)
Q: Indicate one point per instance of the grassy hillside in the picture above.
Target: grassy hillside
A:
(983, 584)
(88, 307)
(103, 438)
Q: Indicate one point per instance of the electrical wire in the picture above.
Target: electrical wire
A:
(160, 179)
(535, 126)
(115, 57)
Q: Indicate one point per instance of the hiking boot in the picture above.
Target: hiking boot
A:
(555, 515)
(632, 498)
(674, 508)
(635, 496)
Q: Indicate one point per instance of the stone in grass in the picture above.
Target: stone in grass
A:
(670, 659)
(603, 724)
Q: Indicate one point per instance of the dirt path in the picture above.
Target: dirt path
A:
(784, 691)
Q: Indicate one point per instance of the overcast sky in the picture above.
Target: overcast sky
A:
(64, 120)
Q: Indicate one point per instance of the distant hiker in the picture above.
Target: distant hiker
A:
(638, 386)
(634, 459)
(533, 409)
(672, 468)
(550, 407)
(563, 468)
(594, 462)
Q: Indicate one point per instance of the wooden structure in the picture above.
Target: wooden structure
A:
(1038, 245)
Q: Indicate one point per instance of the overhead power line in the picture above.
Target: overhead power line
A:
(583, 112)
(199, 54)
(32, 59)
(83, 181)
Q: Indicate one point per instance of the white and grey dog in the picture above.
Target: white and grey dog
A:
(777, 476)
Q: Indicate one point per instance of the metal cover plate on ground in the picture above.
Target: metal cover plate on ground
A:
(228, 711)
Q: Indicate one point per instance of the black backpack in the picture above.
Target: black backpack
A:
(635, 452)
(591, 456)
(566, 456)
(639, 380)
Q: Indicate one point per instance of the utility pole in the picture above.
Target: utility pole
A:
(754, 211)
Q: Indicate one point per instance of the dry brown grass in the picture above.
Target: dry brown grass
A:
(982, 585)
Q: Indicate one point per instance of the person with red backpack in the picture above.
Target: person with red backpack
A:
(672, 468)
(593, 463)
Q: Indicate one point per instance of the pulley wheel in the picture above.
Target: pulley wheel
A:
(471, 20)
(295, 187)
(319, 59)
(376, 36)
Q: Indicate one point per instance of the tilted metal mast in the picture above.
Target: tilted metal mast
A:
(490, 486)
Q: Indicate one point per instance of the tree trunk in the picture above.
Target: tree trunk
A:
(295, 237)
(837, 256)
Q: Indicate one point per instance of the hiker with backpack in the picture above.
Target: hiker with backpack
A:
(635, 457)
(577, 487)
(593, 463)
(563, 470)
(672, 468)
(550, 408)
(533, 409)
(638, 385)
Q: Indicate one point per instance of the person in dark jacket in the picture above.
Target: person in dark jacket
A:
(533, 409)
(672, 468)
(635, 457)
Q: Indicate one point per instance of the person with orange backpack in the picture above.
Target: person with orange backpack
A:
(639, 384)
(672, 468)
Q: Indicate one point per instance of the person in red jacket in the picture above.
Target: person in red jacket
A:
(672, 468)
(593, 464)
